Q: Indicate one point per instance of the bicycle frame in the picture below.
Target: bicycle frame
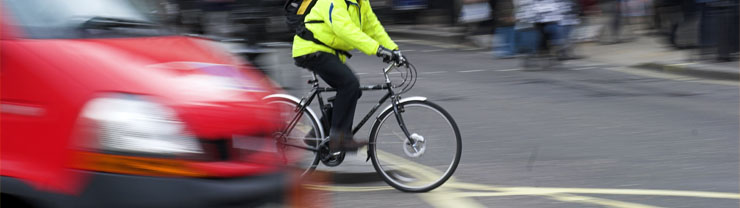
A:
(317, 90)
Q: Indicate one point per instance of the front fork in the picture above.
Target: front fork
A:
(397, 111)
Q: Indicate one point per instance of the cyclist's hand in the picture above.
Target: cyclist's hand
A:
(402, 61)
(385, 54)
(389, 56)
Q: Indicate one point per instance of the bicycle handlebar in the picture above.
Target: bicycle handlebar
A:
(390, 66)
(409, 76)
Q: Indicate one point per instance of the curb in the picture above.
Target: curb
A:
(696, 70)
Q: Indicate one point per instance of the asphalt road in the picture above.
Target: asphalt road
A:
(587, 135)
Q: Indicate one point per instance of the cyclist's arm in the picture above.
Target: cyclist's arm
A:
(372, 27)
(340, 22)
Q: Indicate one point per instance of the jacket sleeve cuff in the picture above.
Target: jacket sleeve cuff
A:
(372, 49)
(389, 44)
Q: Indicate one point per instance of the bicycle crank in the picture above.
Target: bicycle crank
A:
(330, 160)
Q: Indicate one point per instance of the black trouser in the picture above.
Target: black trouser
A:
(339, 76)
(545, 38)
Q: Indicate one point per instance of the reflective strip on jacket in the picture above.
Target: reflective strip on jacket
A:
(346, 27)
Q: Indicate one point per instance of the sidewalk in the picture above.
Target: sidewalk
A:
(647, 52)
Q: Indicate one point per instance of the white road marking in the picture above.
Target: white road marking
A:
(668, 76)
(432, 50)
(582, 68)
(433, 72)
(506, 70)
(476, 70)
(682, 64)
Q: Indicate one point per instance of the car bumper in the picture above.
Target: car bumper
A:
(116, 190)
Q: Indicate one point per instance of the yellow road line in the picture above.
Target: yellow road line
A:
(443, 197)
(641, 192)
(449, 196)
(519, 191)
(440, 197)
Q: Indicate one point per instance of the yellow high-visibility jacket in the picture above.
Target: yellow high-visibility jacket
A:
(347, 25)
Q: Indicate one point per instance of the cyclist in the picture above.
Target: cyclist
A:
(339, 26)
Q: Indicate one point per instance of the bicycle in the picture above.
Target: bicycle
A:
(395, 151)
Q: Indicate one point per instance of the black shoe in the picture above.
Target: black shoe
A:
(336, 146)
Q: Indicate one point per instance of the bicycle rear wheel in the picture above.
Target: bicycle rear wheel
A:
(418, 168)
(294, 145)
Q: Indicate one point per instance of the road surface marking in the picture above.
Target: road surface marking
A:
(560, 194)
(433, 72)
(682, 64)
(506, 70)
(668, 76)
(448, 195)
(476, 70)
(432, 50)
(583, 68)
(639, 192)
(441, 196)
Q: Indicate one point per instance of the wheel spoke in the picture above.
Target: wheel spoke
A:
(430, 161)
(299, 148)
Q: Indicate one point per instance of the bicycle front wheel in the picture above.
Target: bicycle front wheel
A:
(297, 145)
(424, 165)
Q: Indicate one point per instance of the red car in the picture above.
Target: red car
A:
(103, 108)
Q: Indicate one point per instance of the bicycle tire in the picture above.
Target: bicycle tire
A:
(311, 161)
(393, 177)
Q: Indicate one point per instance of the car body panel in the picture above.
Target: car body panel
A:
(45, 84)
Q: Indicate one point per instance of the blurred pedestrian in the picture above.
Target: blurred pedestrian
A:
(718, 29)
(571, 18)
(612, 10)
(544, 17)
(503, 11)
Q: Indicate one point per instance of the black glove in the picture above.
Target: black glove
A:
(389, 56)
